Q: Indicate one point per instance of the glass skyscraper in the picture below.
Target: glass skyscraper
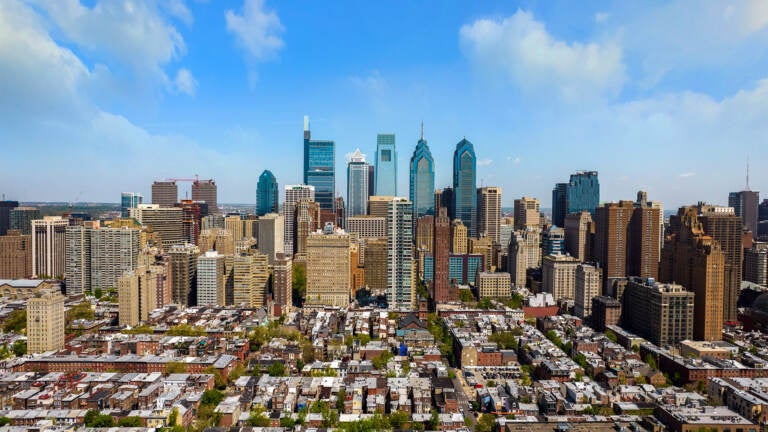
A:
(267, 194)
(583, 192)
(129, 200)
(559, 204)
(386, 165)
(422, 180)
(319, 171)
(357, 185)
(464, 185)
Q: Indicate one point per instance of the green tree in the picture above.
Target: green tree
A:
(490, 383)
(581, 360)
(186, 330)
(380, 361)
(299, 284)
(258, 418)
(650, 361)
(5, 421)
(82, 310)
(211, 398)
(466, 296)
(398, 419)
(611, 336)
(505, 340)
(141, 329)
(486, 423)
(287, 422)
(236, 373)
(276, 369)
(95, 419)
(19, 348)
(434, 421)
(98, 292)
(133, 421)
(175, 367)
(554, 338)
(485, 303)
(16, 321)
(340, 396)
(174, 417)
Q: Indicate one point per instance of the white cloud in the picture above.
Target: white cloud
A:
(185, 82)
(601, 17)
(257, 31)
(178, 9)
(521, 48)
(134, 34)
(687, 174)
(484, 162)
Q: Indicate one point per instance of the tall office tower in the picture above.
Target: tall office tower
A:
(77, 258)
(205, 190)
(553, 241)
(661, 313)
(5, 215)
(210, 279)
(696, 261)
(367, 226)
(371, 180)
(377, 205)
(21, 218)
(113, 252)
(588, 286)
(505, 234)
(583, 192)
(166, 222)
(489, 212)
(458, 237)
(192, 214)
(626, 241)
(271, 232)
(465, 185)
(49, 247)
(386, 165)
(250, 279)
(755, 264)
(267, 200)
(422, 179)
(165, 193)
(579, 231)
(400, 271)
(319, 168)
(307, 220)
(234, 224)
(524, 253)
(15, 255)
(745, 205)
(558, 276)
(441, 250)
(559, 203)
(328, 268)
(129, 200)
(376, 265)
(642, 202)
(425, 227)
(282, 284)
(722, 224)
(357, 184)
(294, 193)
(183, 274)
(527, 212)
(45, 322)
(444, 198)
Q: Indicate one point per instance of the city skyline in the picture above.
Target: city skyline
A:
(211, 89)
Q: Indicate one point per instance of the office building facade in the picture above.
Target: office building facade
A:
(558, 276)
(661, 313)
(45, 322)
(328, 268)
(206, 191)
(357, 185)
(49, 247)
(465, 185)
(400, 276)
(441, 288)
(489, 212)
(386, 165)
(15, 255)
(210, 279)
(588, 286)
(129, 200)
(21, 218)
(319, 168)
(745, 205)
(527, 213)
(293, 194)
(165, 193)
(422, 179)
(271, 235)
(722, 224)
(5, 215)
(267, 194)
(166, 222)
(579, 235)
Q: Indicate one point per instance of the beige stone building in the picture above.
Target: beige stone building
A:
(328, 268)
(558, 276)
(494, 285)
(45, 322)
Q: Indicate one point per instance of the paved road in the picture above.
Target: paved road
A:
(463, 399)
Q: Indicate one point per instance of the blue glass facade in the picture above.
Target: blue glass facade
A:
(461, 268)
(464, 185)
(583, 192)
(319, 171)
(386, 165)
(129, 200)
(553, 241)
(266, 194)
(422, 180)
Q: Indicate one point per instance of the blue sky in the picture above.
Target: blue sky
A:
(99, 97)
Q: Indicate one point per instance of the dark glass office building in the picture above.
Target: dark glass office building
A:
(319, 171)
(422, 180)
(266, 194)
(465, 185)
